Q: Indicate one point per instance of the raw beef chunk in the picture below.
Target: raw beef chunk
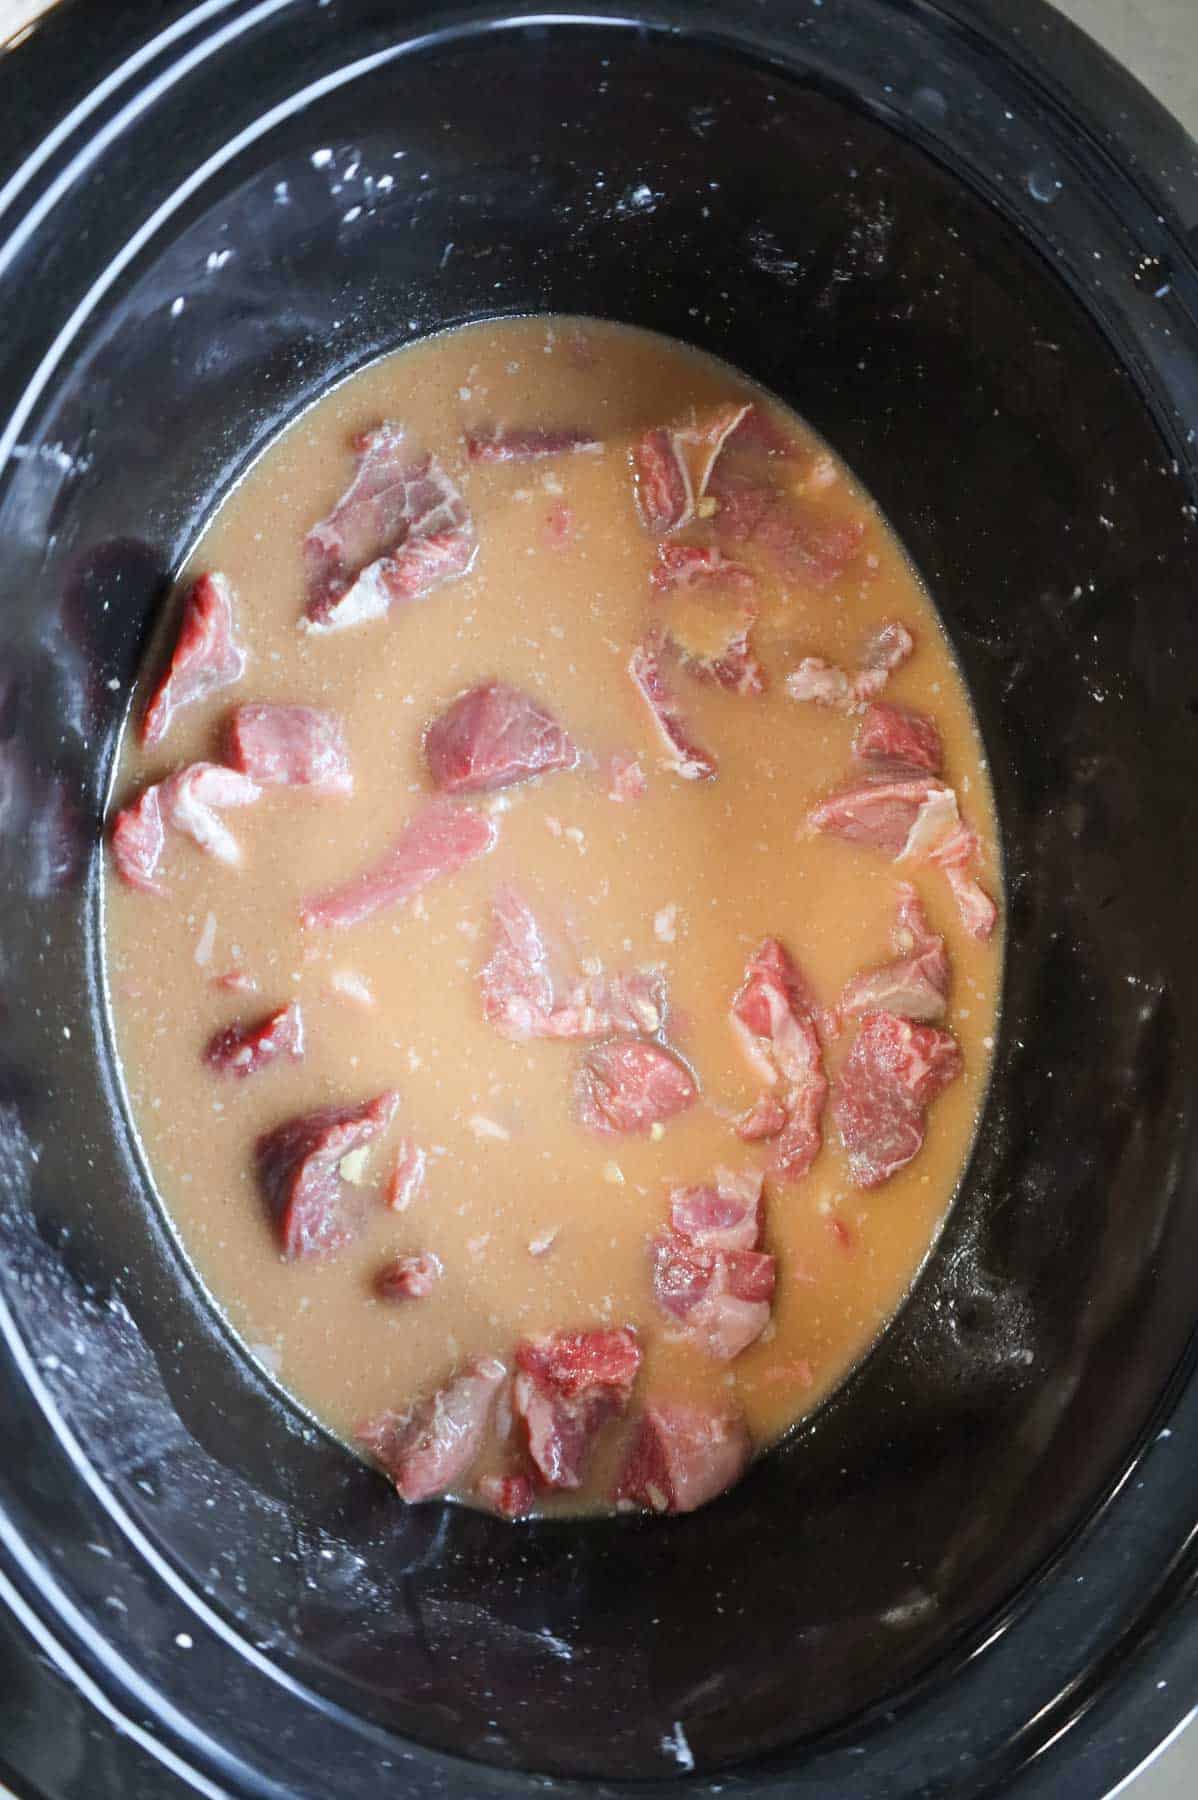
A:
(684, 756)
(707, 1269)
(895, 736)
(625, 1086)
(774, 1018)
(290, 746)
(407, 1177)
(491, 737)
(438, 841)
(894, 1071)
(432, 1445)
(913, 819)
(400, 530)
(568, 1385)
(313, 1207)
(915, 984)
(138, 840)
(527, 443)
(186, 802)
(522, 999)
(206, 657)
(683, 1456)
(244, 1049)
(408, 1277)
(673, 466)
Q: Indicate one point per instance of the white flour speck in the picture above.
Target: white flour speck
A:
(675, 1745)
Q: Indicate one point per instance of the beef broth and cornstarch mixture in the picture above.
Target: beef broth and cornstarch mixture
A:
(551, 927)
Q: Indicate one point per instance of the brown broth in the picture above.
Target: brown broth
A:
(730, 855)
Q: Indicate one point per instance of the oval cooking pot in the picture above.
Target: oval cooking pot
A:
(968, 1574)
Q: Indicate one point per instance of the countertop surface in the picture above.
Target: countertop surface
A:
(1158, 41)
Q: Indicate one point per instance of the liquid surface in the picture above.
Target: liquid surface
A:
(691, 877)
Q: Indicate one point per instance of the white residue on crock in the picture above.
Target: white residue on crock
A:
(556, 1646)
(675, 1745)
(767, 254)
(639, 199)
(56, 454)
(1043, 186)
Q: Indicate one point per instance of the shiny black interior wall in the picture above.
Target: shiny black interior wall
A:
(623, 174)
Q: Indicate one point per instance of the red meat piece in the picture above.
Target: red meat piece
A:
(511, 1496)
(742, 507)
(683, 1456)
(722, 1297)
(138, 838)
(726, 1216)
(568, 1385)
(290, 746)
(206, 656)
(895, 735)
(627, 779)
(700, 587)
(437, 841)
(691, 565)
(626, 1086)
(760, 431)
(736, 668)
(434, 1443)
(190, 801)
(408, 1277)
(661, 489)
(527, 443)
(828, 685)
(886, 650)
(673, 466)
(685, 757)
(407, 1177)
(913, 819)
(915, 985)
(822, 682)
(560, 526)
(955, 855)
(520, 995)
(707, 1270)
(801, 538)
(242, 1050)
(764, 1119)
(807, 541)
(894, 1071)
(491, 737)
(881, 814)
(372, 515)
(313, 1208)
(400, 530)
(632, 1000)
(236, 981)
(773, 1015)
(185, 802)
(425, 562)
(516, 981)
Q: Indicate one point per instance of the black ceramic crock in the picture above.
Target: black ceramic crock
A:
(962, 243)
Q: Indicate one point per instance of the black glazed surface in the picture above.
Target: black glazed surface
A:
(771, 212)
